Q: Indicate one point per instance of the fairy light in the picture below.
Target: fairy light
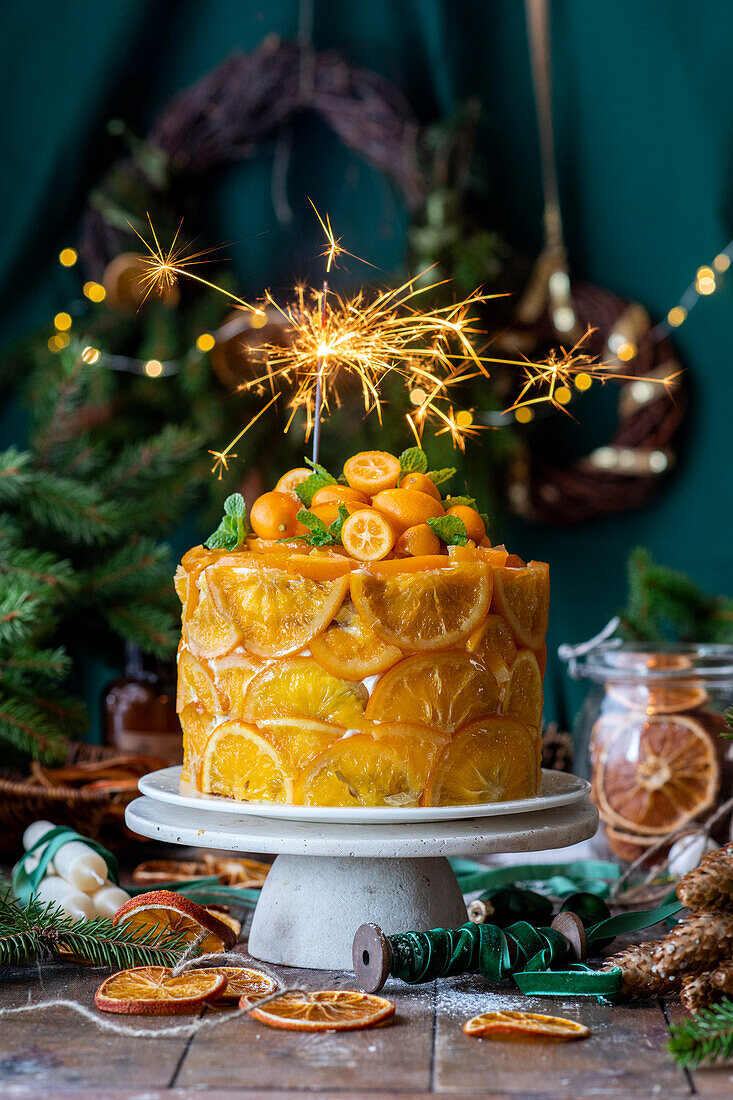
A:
(583, 381)
(523, 415)
(677, 316)
(90, 354)
(68, 257)
(258, 318)
(721, 262)
(205, 342)
(95, 292)
(58, 342)
(417, 396)
(705, 284)
(62, 321)
(153, 368)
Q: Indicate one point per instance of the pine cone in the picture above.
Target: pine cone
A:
(699, 991)
(557, 749)
(710, 885)
(639, 977)
(723, 977)
(695, 945)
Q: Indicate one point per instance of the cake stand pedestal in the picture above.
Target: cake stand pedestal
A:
(328, 879)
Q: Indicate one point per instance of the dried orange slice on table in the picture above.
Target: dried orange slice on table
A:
(490, 760)
(324, 1010)
(524, 1027)
(155, 991)
(653, 775)
(241, 981)
(164, 909)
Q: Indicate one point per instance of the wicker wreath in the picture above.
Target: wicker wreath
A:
(245, 101)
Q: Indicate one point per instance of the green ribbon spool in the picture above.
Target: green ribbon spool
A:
(25, 883)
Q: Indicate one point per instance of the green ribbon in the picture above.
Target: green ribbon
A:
(206, 891)
(589, 875)
(26, 883)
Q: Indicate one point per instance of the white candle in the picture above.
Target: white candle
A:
(73, 902)
(31, 862)
(35, 831)
(108, 900)
(81, 866)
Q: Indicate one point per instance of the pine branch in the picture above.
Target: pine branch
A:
(130, 572)
(29, 730)
(20, 611)
(36, 568)
(154, 629)
(19, 664)
(705, 1039)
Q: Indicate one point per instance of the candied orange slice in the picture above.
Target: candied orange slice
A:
(423, 610)
(324, 1010)
(350, 649)
(494, 556)
(658, 698)
(242, 981)
(367, 535)
(418, 746)
(523, 696)
(522, 596)
(490, 760)
(654, 774)
(195, 684)
(293, 478)
(372, 471)
(300, 688)
(274, 612)
(360, 770)
(492, 645)
(420, 563)
(299, 740)
(164, 909)
(155, 991)
(241, 762)
(180, 583)
(525, 1027)
(206, 631)
(442, 691)
(232, 675)
(196, 725)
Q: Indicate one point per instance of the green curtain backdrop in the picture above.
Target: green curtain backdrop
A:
(643, 106)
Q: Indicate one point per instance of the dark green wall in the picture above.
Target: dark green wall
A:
(644, 105)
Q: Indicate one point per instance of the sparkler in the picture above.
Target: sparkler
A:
(365, 338)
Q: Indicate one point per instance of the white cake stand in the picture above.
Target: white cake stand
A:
(328, 879)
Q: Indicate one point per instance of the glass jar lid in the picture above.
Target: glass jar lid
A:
(606, 658)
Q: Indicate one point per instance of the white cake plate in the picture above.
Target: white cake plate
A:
(328, 879)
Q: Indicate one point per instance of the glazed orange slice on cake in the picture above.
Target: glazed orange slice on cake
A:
(232, 675)
(653, 775)
(206, 631)
(298, 741)
(524, 1027)
(523, 694)
(196, 725)
(423, 610)
(301, 688)
(372, 471)
(164, 909)
(490, 760)
(367, 535)
(522, 597)
(195, 684)
(441, 690)
(350, 649)
(325, 1010)
(493, 646)
(241, 762)
(273, 611)
(360, 770)
(155, 991)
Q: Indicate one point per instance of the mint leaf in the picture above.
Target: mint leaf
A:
(450, 529)
(336, 527)
(439, 476)
(413, 461)
(486, 520)
(233, 529)
(308, 488)
(454, 502)
(319, 534)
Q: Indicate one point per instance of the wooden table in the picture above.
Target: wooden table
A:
(423, 1053)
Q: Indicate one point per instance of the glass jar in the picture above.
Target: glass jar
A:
(651, 737)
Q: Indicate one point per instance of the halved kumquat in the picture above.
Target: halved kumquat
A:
(372, 471)
(367, 535)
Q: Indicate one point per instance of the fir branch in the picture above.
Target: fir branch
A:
(72, 507)
(19, 612)
(37, 567)
(131, 571)
(50, 664)
(28, 729)
(704, 1039)
(153, 628)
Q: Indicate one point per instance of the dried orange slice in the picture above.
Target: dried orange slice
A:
(522, 596)
(653, 775)
(372, 471)
(206, 632)
(658, 698)
(325, 1010)
(154, 991)
(429, 610)
(196, 725)
(492, 645)
(195, 684)
(241, 762)
(441, 690)
(300, 688)
(232, 675)
(525, 1027)
(273, 611)
(166, 909)
(367, 535)
(490, 760)
(361, 771)
(523, 695)
(241, 981)
(350, 649)
(225, 918)
(299, 740)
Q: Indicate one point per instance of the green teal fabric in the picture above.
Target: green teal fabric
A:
(643, 111)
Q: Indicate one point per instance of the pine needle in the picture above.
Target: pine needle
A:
(705, 1039)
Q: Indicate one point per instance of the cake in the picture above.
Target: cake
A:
(361, 643)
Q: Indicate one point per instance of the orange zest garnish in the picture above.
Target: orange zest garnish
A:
(325, 1010)
(525, 1027)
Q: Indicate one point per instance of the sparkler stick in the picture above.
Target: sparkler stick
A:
(318, 399)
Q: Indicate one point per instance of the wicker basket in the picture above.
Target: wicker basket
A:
(96, 814)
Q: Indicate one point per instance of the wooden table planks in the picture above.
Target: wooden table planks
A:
(424, 1053)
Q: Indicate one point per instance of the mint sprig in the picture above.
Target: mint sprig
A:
(318, 533)
(233, 529)
(439, 476)
(450, 529)
(455, 502)
(413, 461)
(308, 488)
(337, 525)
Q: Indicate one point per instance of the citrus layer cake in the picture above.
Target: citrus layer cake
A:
(361, 643)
